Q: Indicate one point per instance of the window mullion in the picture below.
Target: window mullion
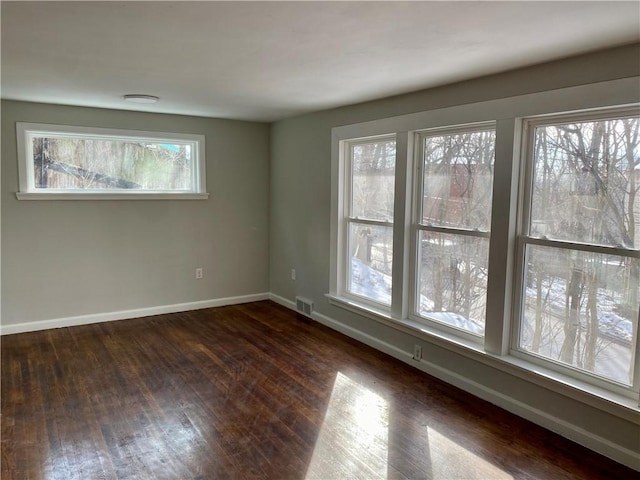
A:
(636, 373)
(402, 223)
(502, 245)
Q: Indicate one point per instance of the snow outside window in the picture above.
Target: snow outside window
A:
(452, 230)
(516, 239)
(579, 294)
(370, 169)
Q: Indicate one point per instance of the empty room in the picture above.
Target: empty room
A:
(320, 240)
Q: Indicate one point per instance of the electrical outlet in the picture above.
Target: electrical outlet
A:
(293, 274)
(417, 352)
(199, 273)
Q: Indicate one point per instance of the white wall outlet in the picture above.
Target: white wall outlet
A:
(199, 273)
(293, 274)
(417, 352)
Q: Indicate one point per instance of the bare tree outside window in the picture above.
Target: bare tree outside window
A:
(370, 222)
(457, 182)
(580, 307)
(104, 164)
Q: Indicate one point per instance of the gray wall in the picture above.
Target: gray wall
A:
(300, 223)
(269, 212)
(70, 258)
(301, 158)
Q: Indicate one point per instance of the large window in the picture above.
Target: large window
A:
(517, 237)
(579, 245)
(453, 222)
(69, 160)
(370, 168)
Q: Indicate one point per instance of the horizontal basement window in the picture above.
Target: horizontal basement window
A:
(71, 162)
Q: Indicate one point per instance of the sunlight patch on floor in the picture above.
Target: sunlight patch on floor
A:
(452, 461)
(353, 439)
(354, 442)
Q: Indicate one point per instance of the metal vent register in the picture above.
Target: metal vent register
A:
(303, 306)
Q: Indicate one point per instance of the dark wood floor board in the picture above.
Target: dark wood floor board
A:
(275, 347)
(252, 391)
(256, 364)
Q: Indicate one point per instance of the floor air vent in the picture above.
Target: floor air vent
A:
(303, 306)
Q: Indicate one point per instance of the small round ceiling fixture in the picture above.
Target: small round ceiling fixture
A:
(139, 98)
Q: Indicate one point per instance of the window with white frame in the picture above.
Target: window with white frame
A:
(368, 219)
(74, 161)
(452, 224)
(556, 291)
(579, 245)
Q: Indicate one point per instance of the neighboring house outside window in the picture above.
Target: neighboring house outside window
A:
(453, 224)
(514, 236)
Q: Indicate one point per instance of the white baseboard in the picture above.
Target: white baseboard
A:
(282, 301)
(568, 430)
(539, 417)
(126, 314)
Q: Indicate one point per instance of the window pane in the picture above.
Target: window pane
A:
(586, 180)
(99, 164)
(458, 180)
(581, 309)
(371, 252)
(452, 280)
(373, 167)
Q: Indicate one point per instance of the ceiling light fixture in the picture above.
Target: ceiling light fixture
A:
(139, 98)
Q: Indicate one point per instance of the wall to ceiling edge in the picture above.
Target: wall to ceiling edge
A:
(67, 263)
(300, 199)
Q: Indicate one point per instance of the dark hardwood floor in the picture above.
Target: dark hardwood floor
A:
(253, 391)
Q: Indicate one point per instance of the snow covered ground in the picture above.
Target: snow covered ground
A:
(610, 324)
(615, 332)
(370, 283)
(375, 285)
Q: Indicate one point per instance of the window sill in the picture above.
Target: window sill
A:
(611, 402)
(409, 326)
(110, 196)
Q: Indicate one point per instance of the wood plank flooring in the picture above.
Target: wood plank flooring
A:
(253, 391)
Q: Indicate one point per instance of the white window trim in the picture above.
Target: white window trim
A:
(28, 191)
(346, 219)
(417, 226)
(507, 114)
(528, 126)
